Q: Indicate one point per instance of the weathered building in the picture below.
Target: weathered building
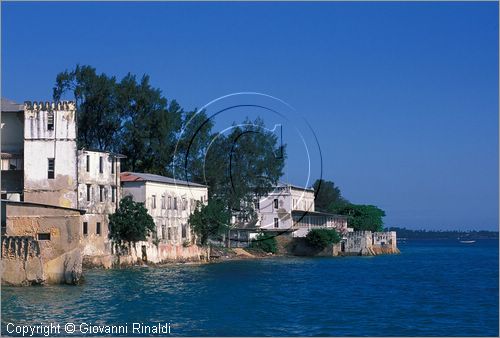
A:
(99, 194)
(40, 243)
(287, 211)
(367, 243)
(39, 189)
(12, 150)
(170, 202)
(291, 208)
(50, 153)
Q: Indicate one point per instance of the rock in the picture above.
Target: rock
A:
(73, 267)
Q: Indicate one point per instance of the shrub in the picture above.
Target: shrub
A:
(321, 238)
(265, 242)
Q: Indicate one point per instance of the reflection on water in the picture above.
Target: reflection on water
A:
(432, 288)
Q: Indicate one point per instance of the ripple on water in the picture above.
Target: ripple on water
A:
(430, 289)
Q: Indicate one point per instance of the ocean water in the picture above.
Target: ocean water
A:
(433, 288)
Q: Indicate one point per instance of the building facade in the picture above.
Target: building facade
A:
(170, 202)
(291, 209)
(99, 194)
(39, 188)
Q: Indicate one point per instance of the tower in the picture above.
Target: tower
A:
(50, 168)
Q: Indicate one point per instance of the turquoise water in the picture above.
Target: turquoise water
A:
(434, 288)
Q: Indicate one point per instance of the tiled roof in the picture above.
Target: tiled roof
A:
(138, 177)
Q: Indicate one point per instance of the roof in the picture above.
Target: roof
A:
(284, 184)
(11, 106)
(41, 205)
(143, 177)
(315, 213)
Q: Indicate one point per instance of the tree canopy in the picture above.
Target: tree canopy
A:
(210, 221)
(328, 195)
(360, 217)
(130, 223)
(157, 136)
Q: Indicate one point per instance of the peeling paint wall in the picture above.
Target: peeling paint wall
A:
(46, 139)
(105, 184)
(56, 232)
(170, 206)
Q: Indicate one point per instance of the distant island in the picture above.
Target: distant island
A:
(408, 234)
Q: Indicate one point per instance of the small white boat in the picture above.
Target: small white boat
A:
(467, 242)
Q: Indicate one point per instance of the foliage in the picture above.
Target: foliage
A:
(328, 195)
(243, 165)
(265, 242)
(131, 222)
(362, 217)
(321, 238)
(129, 116)
(95, 97)
(157, 136)
(210, 220)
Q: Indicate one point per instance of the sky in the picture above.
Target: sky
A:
(400, 99)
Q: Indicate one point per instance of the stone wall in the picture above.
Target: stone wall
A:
(41, 236)
(21, 261)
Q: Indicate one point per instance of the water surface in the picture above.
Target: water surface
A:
(433, 288)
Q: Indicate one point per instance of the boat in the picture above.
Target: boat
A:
(468, 242)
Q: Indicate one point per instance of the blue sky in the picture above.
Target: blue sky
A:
(402, 97)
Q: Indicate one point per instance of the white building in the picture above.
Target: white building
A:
(288, 210)
(170, 202)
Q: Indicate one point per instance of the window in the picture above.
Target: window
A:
(89, 191)
(163, 201)
(44, 236)
(184, 204)
(51, 168)
(98, 228)
(88, 163)
(113, 194)
(169, 202)
(113, 165)
(153, 201)
(184, 231)
(85, 228)
(169, 234)
(163, 231)
(101, 193)
(201, 199)
(175, 203)
(50, 120)
(276, 222)
(275, 203)
(100, 165)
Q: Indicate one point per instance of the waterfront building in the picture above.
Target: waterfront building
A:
(287, 210)
(39, 189)
(170, 202)
(99, 194)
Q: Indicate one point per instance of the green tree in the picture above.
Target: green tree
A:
(321, 238)
(362, 217)
(328, 196)
(243, 165)
(209, 221)
(131, 223)
(150, 126)
(95, 97)
(192, 145)
(265, 242)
